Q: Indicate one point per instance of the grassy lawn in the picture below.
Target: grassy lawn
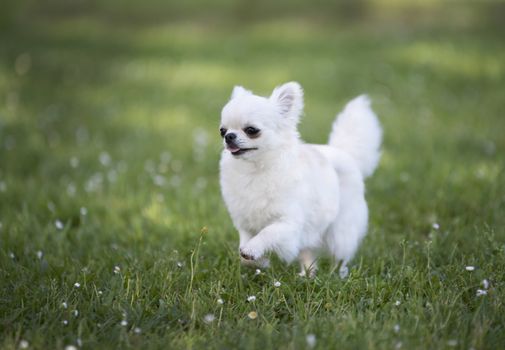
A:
(113, 233)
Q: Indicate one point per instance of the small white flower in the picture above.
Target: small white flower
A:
(70, 347)
(481, 292)
(470, 268)
(11, 255)
(71, 189)
(75, 313)
(74, 162)
(397, 303)
(435, 225)
(77, 285)
(124, 323)
(105, 158)
(79, 342)
(137, 330)
(257, 272)
(452, 342)
(398, 345)
(277, 284)
(485, 283)
(40, 254)
(83, 211)
(117, 269)
(209, 318)
(311, 340)
(396, 328)
(64, 305)
(159, 180)
(100, 292)
(220, 301)
(251, 298)
(65, 322)
(179, 264)
(59, 225)
(23, 344)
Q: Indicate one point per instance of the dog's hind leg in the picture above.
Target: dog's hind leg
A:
(308, 264)
(345, 233)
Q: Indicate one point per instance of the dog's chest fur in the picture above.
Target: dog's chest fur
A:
(255, 197)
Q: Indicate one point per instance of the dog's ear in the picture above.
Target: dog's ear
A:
(289, 100)
(239, 91)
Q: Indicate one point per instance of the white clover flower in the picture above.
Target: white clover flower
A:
(485, 283)
(75, 313)
(435, 225)
(64, 305)
(40, 254)
(277, 284)
(396, 328)
(117, 269)
(79, 342)
(397, 303)
(398, 345)
(124, 323)
(251, 298)
(83, 211)
(65, 322)
(257, 272)
(452, 342)
(311, 340)
(23, 344)
(220, 301)
(77, 285)
(59, 225)
(70, 347)
(104, 158)
(470, 268)
(179, 264)
(11, 255)
(74, 162)
(137, 330)
(100, 292)
(481, 292)
(209, 318)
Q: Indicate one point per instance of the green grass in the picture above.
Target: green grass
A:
(103, 113)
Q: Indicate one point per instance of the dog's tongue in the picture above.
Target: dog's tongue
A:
(233, 149)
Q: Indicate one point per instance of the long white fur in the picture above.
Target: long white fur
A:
(293, 198)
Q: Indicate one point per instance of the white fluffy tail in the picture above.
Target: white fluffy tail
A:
(357, 131)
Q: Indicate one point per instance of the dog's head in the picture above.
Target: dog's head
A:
(252, 125)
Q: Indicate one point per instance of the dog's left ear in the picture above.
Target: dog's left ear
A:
(289, 100)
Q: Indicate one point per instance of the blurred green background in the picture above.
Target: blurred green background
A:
(109, 150)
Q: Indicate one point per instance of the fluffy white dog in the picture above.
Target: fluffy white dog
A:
(289, 197)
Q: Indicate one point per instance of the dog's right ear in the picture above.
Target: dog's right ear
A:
(239, 91)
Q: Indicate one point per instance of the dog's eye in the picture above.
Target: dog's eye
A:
(251, 130)
(223, 131)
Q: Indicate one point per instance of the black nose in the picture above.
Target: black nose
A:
(230, 137)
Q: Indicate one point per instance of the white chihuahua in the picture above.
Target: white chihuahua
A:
(290, 197)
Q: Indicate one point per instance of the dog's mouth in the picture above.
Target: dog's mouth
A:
(236, 151)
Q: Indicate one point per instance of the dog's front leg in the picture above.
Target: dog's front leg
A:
(262, 262)
(280, 237)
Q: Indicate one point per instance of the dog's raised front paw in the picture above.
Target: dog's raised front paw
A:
(247, 256)
(250, 252)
